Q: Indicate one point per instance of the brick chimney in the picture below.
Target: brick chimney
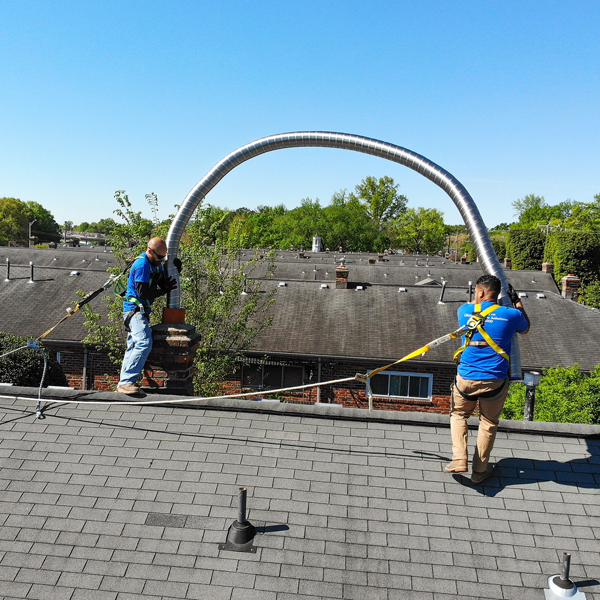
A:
(341, 276)
(570, 286)
(548, 268)
(508, 263)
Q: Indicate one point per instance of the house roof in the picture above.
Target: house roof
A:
(110, 502)
(383, 324)
(30, 309)
(86, 258)
(394, 270)
(377, 323)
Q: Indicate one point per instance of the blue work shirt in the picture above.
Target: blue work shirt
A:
(483, 362)
(142, 271)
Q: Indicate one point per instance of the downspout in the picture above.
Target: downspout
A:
(85, 364)
(319, 380)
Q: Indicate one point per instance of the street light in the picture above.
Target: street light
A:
(531, 380)
(30, 224)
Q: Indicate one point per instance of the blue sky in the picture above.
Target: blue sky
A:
(148, 96)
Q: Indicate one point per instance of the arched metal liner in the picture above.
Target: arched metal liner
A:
(323, 139)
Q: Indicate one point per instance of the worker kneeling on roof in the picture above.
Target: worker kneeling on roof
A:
(483, 372)
(147, 280)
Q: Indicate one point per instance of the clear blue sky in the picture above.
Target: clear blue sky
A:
(147, 96)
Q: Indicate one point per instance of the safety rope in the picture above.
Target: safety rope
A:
(88, 298)
(472, 324)
(195, 398)
(422, 350)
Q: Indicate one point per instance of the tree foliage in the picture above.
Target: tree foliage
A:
(221, 299)
(381, 198)
(15, 217)
(576, 252)
(565, 395)
(420, 230)
(25, 367)
(525, 247)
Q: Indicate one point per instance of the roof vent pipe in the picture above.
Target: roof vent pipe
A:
(7, 269)
(441, 300)
(31, 277)
(470, 291)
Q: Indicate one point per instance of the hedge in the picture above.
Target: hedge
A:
(525, 247)
(24, 368)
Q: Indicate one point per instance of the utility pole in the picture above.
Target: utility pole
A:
(30, 224)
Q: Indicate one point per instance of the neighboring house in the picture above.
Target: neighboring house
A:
(321, 333)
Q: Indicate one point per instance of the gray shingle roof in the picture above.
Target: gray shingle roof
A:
(30, 309)
(382, 323)
(132, 502)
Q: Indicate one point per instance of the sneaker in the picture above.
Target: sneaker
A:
(457, 466)
(128, 388)
(477, 477)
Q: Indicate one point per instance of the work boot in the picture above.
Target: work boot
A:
(128, 388)
(478, 477)
(457, 466)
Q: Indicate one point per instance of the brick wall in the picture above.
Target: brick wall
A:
(98, 365)
(352, 394)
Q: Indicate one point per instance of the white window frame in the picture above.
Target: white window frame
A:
(427, 376)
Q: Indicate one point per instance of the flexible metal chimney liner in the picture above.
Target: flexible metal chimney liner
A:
(323, 139)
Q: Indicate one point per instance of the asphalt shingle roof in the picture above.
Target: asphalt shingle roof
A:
(382, 323)
(130, 502)
(30, 309)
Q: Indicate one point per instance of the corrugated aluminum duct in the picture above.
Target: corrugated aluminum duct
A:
(323, 139)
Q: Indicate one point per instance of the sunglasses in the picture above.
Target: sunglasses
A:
(159, 256)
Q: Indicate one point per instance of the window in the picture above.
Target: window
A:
(402, 385)
(271, 377)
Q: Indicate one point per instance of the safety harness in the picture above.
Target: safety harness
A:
(140, 307)
(475, 323)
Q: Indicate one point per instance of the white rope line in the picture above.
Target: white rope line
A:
(183, 400)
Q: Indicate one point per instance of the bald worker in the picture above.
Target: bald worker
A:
(147, 280)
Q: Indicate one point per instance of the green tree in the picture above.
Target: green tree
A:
(45, 226)
(525, 247)
(565, 395)
(262, 228)
(14, 216)
(25, 367)
(346, 223)
(382, 199)
(421, 230)
(222, 299)
(589, 294)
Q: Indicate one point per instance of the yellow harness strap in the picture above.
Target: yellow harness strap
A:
(476, 323)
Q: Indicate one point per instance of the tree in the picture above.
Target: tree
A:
(534, 211)
(25, 367)
(382, 200)
(14, 216)
(45, 227)
(589, 294)
(564, 395)
(212, 282)
(421, 230)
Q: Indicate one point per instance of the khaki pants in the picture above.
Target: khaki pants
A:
(489, 416)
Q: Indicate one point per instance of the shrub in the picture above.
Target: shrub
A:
(576, 252)
(24, 368)
(525, 247)
(565, 395)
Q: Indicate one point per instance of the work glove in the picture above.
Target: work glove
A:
(177, 264)
(167, 284)
(514, 297)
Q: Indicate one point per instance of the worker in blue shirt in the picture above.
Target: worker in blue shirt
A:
(147, 280)
(483, 374)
